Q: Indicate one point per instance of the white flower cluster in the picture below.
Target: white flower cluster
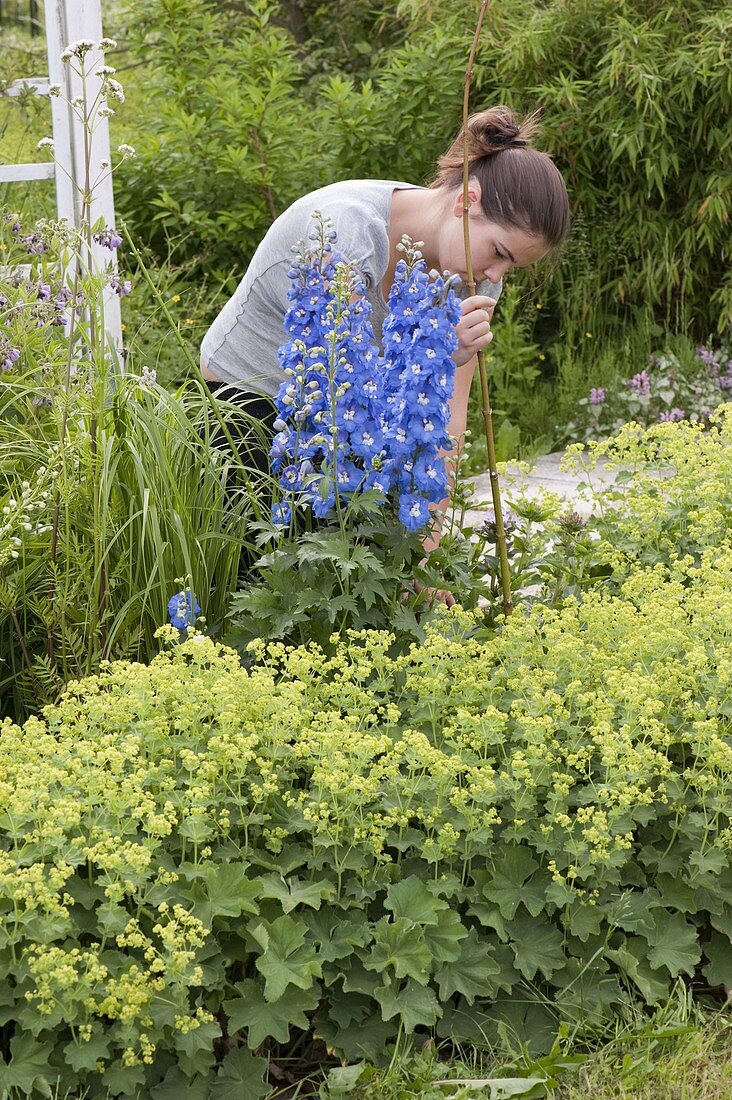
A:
(17, 520)
(78, 49)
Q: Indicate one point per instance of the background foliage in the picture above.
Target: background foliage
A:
(278, 99)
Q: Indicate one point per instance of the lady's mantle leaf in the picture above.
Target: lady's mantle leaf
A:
(411, 898)
(228, 892)
(241, 1077)
(471, 974)
(26, 1070)
(400, 944)
(285, 960)
(262, 1019)
(291, 892)
(674, 943)
(513, 882)
(718, 970)
(416, 1005)
(537, 945)
(81, 1055)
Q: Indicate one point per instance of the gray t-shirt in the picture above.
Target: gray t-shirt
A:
(241, 345)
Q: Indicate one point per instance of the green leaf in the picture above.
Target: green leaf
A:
(674, 943)
(632, 959)
(28, 1067)
(444, 938)
(83, 1056)
(291, 892)
(633, 911)
(410, 898)
(241, 1077)
(723, 922)
(335, 936)
(537, 946)
(490, 917)
(718, 970)
(286, 959)
(471, 974)
(584, 920)
(176, 1085)
(400, 944)
(341, 1080)
(512, 882)
(357, 979)
(264, 1019)
(127, 1080)
(224, 891)
(368, 1039)
(416, 1005)
(676, 894)
(195, 1048)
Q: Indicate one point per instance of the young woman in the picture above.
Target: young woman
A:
(519, 212)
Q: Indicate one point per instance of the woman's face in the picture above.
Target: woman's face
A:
(494, 249)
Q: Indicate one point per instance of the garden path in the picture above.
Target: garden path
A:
(545, 474)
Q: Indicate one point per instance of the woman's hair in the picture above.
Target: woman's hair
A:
(520, 186)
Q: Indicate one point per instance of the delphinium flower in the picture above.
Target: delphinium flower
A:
(34, 243)
(419, 375)
(183, 608)
(597, 396)
(724, 381)
(350, 420)
(328, 427)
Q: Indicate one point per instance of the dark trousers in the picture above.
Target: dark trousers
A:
(251, 430)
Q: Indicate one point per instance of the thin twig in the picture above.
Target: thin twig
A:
(484, 391)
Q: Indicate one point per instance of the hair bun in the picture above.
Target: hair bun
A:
(494, 130)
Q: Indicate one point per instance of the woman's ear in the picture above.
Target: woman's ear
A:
(474, 194)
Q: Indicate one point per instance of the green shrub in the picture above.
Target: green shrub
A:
(203, 863)
(634, 93)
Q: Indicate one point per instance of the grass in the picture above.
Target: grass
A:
(683, 1051)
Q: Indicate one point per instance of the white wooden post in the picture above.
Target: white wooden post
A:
(68, 21)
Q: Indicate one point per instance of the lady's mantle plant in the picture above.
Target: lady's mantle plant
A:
(360, 445)
(203, 867)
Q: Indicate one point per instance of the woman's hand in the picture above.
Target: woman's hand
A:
(432, 595)
(474, 327)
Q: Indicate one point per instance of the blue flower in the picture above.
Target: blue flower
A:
(183, 609)
(419, 338)
(413, 511)
(352, 419)
(281, 515)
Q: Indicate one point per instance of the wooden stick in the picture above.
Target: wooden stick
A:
(484, 391)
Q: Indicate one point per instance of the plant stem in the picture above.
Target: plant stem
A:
(484, 391)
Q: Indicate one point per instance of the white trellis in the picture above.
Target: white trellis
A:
(68, 21)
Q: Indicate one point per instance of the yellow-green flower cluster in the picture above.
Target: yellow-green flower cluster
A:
(179, 838)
